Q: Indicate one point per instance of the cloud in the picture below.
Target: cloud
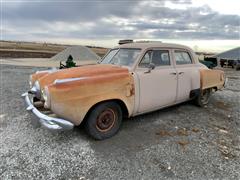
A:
(115, 19)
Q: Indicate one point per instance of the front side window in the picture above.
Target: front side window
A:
(125, 57)
(157, 57)
(182, 57)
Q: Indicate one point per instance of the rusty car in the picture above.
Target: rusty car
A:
(131, 79)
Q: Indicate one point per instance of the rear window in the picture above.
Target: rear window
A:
(182, 57)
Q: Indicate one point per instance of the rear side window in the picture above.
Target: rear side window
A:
(182, 57)
(157, 57)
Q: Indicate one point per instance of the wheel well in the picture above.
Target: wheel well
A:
(215, 88)
(118, 101)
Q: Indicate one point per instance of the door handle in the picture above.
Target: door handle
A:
(181, 73)
(173, 73)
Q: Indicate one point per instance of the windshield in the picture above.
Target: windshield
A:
(123, 57)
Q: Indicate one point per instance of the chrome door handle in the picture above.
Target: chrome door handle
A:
(173, 73)
(181, 73)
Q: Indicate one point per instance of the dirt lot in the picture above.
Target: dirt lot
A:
(181, 142)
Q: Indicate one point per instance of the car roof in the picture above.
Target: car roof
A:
(146, 45)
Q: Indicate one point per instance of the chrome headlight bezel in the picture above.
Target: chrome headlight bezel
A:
(46, 97)
(30, 81)
(36, 89)
(43, 95)
(37, 85)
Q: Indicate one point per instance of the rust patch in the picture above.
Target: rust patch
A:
(97, 80)
(130, 90)
(36, 76)
(211, 78)
(83, 71)
(72, 100)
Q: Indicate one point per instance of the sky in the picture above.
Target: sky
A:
(204, 25)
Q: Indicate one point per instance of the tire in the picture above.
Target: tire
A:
(203, 98)
(104, 120)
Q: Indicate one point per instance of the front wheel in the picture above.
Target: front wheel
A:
(104, 120)
(203, 98)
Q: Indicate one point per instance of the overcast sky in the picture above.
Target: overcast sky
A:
(212, 25)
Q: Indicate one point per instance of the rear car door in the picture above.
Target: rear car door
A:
(157, 87)
(186, 72)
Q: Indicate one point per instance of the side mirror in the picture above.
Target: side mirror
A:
(151, 66)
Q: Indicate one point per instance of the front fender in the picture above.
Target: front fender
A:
(72, 100)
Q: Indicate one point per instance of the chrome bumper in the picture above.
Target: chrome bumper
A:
(48, 122)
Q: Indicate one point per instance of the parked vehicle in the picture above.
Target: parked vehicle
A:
(231, 63)
(209, 64)
(228, 63)
(237, 65)
(212, 62)
(223, 62)
(132, 79)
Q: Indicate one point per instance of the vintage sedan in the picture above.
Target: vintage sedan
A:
(132, 79)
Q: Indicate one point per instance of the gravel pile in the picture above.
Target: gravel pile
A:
(79, 53)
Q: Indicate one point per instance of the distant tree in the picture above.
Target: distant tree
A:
(70, 62)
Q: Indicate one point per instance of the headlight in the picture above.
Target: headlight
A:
(37, 85)
(36, 90)
(43, 94)
(46, 97)
(30, 81)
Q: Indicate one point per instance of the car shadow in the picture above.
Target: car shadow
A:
(140, 132)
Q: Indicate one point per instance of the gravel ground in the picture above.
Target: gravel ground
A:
(180, 142)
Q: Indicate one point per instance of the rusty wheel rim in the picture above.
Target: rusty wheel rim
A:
(105, 120)
(205, 96)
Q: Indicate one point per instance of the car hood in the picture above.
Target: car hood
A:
(81, 72)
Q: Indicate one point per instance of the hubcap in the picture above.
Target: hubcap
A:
(105, 120)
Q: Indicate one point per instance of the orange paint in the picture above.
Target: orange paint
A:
(37, 76)
(83, 71)
(72, 100)
(211, 78)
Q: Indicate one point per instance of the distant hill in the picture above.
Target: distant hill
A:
(19, 49)
(230, 54)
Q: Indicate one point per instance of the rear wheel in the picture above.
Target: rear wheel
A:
(104, 120)
(203, 98)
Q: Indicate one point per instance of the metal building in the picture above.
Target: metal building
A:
(228, 56)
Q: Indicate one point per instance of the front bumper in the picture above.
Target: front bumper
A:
(48, 122)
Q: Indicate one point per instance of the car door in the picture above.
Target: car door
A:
(157, 87)
(186, 71)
